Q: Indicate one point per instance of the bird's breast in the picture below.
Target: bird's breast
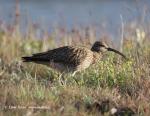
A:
(86, 62)
(96, 57)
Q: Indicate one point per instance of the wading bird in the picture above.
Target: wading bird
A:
(71, 59)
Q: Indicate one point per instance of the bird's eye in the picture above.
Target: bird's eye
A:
(102, 45)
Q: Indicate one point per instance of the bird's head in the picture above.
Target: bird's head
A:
(101, 47)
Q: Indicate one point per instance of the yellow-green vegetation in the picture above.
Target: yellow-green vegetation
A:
(112, 83)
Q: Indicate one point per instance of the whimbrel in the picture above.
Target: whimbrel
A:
(71, 59)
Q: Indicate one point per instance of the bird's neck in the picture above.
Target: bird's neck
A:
(96, 57)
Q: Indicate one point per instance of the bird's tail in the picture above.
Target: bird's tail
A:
(35, 59)
(28, 59)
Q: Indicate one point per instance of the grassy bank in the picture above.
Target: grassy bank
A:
(112, 83)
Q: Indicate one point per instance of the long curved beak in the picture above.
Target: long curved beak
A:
(113, 50)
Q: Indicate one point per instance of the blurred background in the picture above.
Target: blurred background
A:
(105, 17)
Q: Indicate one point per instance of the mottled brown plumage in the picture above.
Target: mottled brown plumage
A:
(70, 58)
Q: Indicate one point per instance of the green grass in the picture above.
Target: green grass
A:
(123, 83)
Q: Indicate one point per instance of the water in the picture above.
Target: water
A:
(74, 12)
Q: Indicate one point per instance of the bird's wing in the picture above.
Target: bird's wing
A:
(68, 55)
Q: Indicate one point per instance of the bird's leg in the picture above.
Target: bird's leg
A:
(73, 75)
(62, 79)
(59, 77)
